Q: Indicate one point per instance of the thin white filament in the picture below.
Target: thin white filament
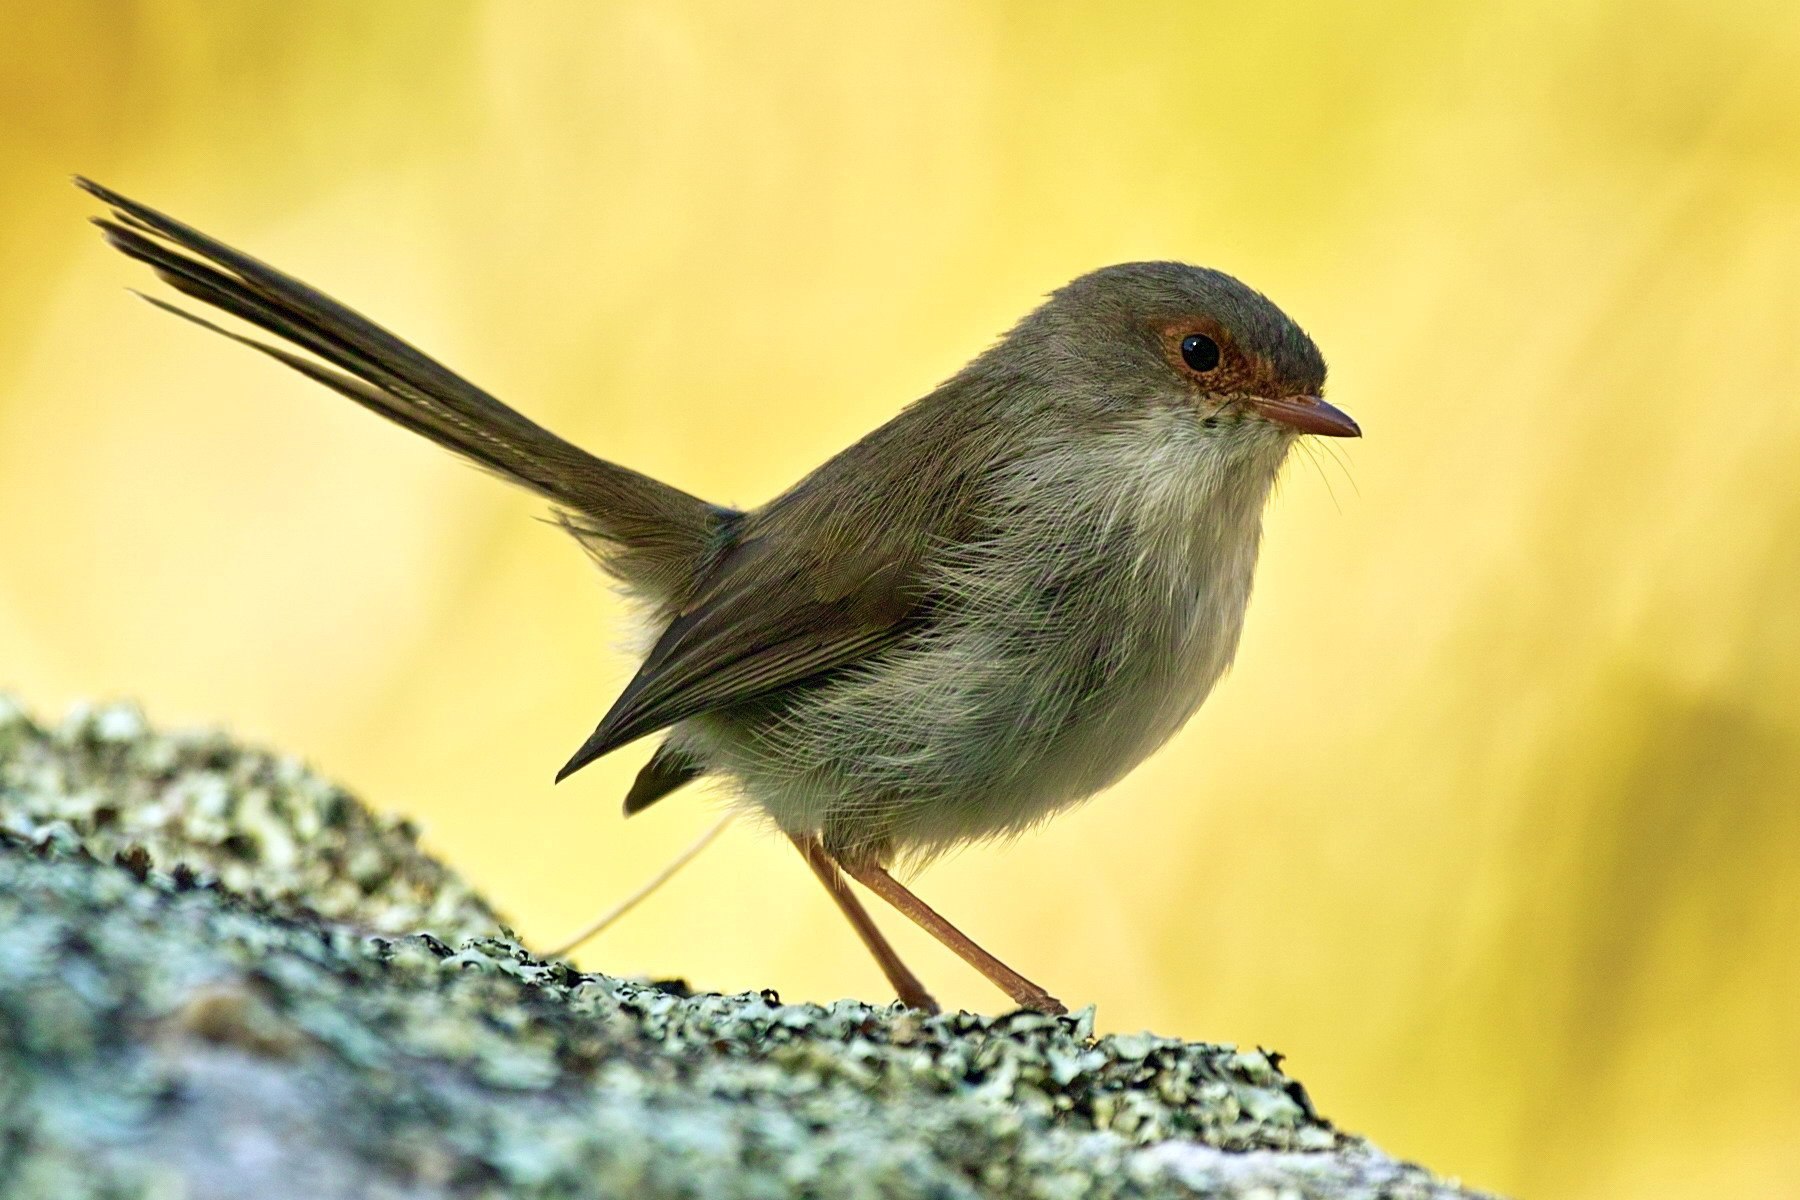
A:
(611, 915)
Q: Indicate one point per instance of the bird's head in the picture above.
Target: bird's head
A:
(1166, 336)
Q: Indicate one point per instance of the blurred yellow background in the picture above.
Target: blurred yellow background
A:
(1494, 829)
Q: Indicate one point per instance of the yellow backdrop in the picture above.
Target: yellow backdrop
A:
(1493, 831)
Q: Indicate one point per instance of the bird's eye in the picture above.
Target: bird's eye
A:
(1199, 352)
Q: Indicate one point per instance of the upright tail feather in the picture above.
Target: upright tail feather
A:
(654, 537)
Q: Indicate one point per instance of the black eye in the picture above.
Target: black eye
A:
(1199, 352)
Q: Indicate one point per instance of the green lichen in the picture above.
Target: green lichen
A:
(260, 824)
(174, 1023)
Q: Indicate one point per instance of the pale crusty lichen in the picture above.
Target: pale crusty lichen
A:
(182, 1034)
(260, 824)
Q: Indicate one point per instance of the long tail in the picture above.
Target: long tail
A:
(654, 537)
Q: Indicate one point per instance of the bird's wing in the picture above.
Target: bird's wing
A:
(667, 770)
(767, 617)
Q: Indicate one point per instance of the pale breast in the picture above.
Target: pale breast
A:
(1071, 640)
(1147, 604)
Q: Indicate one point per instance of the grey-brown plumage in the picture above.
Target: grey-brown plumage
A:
(984, 611)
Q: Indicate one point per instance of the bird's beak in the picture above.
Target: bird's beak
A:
(1308, 414)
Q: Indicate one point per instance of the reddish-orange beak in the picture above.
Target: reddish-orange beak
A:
(1308, 414)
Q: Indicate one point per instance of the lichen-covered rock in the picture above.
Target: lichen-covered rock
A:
(176, 1023)
(259, 824)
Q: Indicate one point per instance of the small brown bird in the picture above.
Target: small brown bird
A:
(985, 611)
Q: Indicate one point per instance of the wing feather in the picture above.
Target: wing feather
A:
(765, 621)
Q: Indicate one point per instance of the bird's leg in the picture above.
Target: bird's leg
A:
(1024, 993)
(906, 985)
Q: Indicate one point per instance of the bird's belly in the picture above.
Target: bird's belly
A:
(980, 729)
(1066, 731)
(1061, 652)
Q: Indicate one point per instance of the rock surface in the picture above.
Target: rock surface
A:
(221, 976)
